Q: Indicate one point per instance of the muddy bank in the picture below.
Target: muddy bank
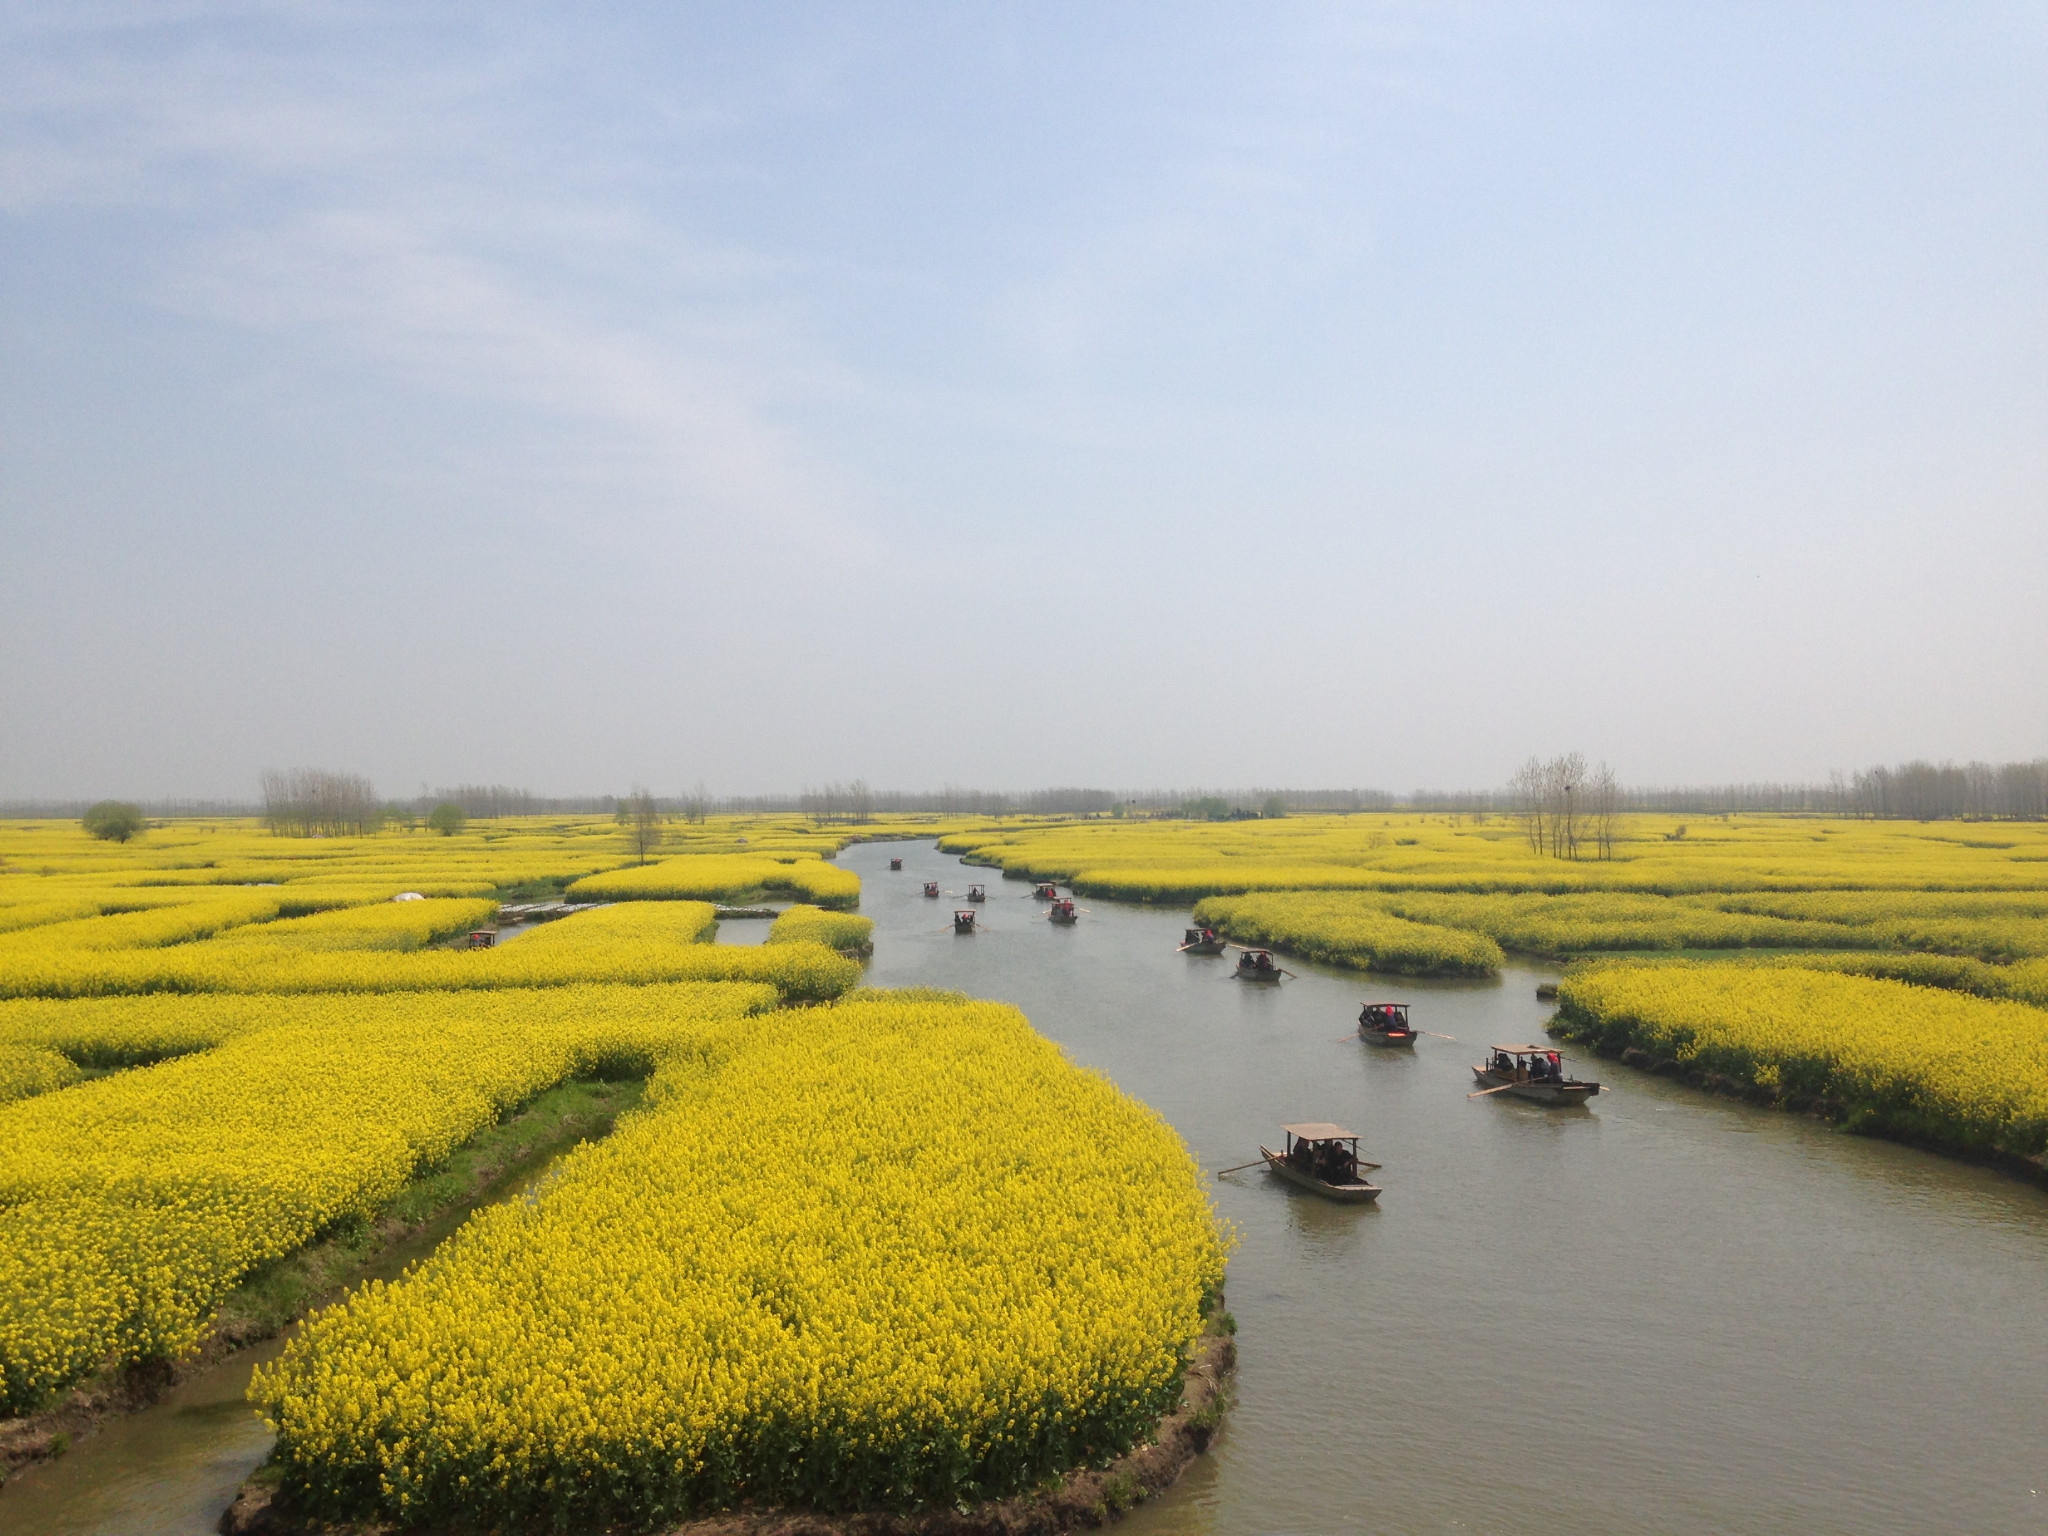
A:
(277, 1295)
(1084, 1499)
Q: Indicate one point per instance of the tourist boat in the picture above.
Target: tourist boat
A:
(1324, 1159)
(976, 893)
(1045, 890)
(1530, 1072)
(931, 889)
(895, 863)
(1062, 911)
(1202, 941)
(1385, 1024)
(963, 920)
(1259, 965)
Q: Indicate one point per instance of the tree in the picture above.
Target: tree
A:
(447, 818)
(1276, 806)
(312, 802)
(113, 821)
(697, 803)
(1551, 801)
(642, 818)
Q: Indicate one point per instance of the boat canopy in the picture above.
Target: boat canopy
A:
(1525, 1050)
(1319, 1131)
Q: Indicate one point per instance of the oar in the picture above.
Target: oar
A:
(1482, 1093)
(1434, 1035)
(1240, 1168)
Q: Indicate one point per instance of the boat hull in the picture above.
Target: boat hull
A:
(1263, 978)
(1571, 1091)
(1343, 1194)
(1202, 949)
(1384, 1037)
(1062, 920)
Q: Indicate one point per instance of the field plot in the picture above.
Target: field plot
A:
(1961, 1071)
(996, 1268)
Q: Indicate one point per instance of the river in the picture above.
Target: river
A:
(1666, 1312)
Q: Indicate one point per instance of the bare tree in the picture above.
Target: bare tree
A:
(697, 803)
(642, 818)
(1603, 808)
(312, 802)
(1550, 799)
(1527, 797)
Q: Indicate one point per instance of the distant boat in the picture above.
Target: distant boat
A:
(895, 863)
(931, 889)
(1530, 1072)
(1385, 1024)
(1259, 965)
(1202, 941)
(976, 893)
(1062, 911)
(1324, 1160)
(963, 920)
(1045, 890)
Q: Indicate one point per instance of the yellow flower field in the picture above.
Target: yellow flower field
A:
(895, 1252)
(1906, 1059)
(727, 878)
(842, 931)
(641, 942)
(129, 1205)
(1343, 929)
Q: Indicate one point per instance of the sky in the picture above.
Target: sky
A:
(1112, 394)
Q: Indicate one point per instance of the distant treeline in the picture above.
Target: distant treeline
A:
(304, 801)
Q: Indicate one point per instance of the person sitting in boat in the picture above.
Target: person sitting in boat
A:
(1503, 1062)
(1302, 1156)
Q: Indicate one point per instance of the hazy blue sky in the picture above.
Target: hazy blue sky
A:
(1111, 394)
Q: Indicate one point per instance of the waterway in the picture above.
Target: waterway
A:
(1664, 1312)
(1667, 1312)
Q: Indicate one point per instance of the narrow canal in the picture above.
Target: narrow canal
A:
(1666, 1312)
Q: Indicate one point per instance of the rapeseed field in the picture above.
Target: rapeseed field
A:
(936, 1264)
(217, 1047)
(1905, 1059)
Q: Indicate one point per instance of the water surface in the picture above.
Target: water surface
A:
(1665, 1312)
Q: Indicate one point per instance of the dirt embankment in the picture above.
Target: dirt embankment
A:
(1083, 1499)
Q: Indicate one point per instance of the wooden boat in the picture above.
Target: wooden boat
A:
(895, 863)
(931, 889)
(976, 893)
(1533, 1072)
(1202, 941)
(963, 920)
(1062, 911)
(1259, 965)
(1045, 890)
(1324, 1160)
(1385, 1024)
